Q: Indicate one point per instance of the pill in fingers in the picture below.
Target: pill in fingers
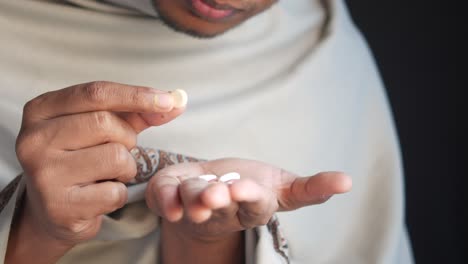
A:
(180, 98)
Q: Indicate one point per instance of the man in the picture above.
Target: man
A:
(290, 84)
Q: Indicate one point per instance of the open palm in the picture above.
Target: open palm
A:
(204, 209)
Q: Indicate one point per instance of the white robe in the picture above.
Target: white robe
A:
(295, 87)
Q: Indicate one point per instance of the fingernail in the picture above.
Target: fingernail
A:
(180, 98)
(163, 100)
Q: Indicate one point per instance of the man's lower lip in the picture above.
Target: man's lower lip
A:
(209, 12)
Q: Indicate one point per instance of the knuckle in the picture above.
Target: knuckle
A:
(120, 155)
(31, 106)
(126, 172)
(27, 144)
(117, 153)
(120, 162)
(103, 120)
(136, 96)
(96, 92)
(22, 148)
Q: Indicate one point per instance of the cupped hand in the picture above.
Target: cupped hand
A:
(204, 210)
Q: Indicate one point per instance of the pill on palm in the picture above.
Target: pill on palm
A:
(229, 177)
(208, 177)
(180, 98)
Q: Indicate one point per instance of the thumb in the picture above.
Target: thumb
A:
(169, 104)
(317, 189)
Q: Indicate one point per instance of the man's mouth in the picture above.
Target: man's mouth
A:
(211, 10)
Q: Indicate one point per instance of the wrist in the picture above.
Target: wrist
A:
(223, 248)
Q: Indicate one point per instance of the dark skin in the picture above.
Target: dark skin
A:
(206, 218)
(179, 16)
(86, 131)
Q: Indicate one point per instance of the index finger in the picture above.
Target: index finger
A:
(162, 192)
(98, 96)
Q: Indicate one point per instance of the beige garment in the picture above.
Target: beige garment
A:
(286, 88)
(128, 7)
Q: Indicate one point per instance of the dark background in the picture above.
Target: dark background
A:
(414, 43)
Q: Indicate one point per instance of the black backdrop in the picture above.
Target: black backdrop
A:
(414, 44)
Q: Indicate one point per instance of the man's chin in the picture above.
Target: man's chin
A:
(199, 29)
(186, 16)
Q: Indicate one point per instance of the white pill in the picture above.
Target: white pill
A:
(180, 98)
(208, 177)
(229, 177)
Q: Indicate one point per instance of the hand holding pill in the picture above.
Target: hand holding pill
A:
(86, 132)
